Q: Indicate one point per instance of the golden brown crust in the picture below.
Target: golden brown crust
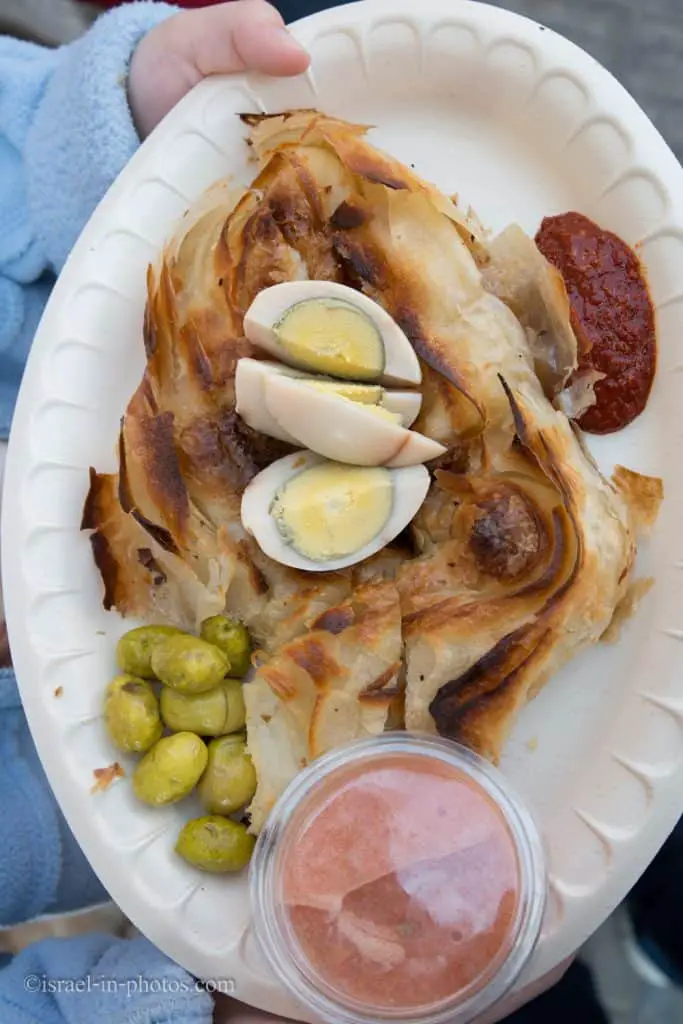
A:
(643, 495)
(105, 776)
(522, 551)
(324, 688)
(116, 540)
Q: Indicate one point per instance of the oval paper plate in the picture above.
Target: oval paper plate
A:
(520, 123)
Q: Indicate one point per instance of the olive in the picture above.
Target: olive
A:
(233, 639)
(215, 844)
(229, 781)
(214, 713)
(131, 714)
(170, 770)
(134, 649)
(188, 664)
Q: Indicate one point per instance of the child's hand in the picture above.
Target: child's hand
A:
(245, 35)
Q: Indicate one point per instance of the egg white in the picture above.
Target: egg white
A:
(410, 486)
(401, 365)
(341, 430)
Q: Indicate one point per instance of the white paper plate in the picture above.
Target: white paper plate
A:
(520, 123)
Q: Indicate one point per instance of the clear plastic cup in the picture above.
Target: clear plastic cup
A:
(400, 878)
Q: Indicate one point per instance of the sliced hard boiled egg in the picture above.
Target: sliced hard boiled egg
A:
(250, 381)
(309, 513)
(328, 328)
(364, 394)
(405, 404)
(344, 431)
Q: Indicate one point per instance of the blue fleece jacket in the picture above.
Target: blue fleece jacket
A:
(65, 134)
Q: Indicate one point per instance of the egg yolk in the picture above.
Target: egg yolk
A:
(363, 394)
(385, 414)
(333, 337)
(331, 511)
(360, 394)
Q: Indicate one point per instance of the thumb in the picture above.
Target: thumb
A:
(245, 35)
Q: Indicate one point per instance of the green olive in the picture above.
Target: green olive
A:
(232, 638)
(229, 781)
(134, 649)
(188, 664)
(215, 844)
(131, 714)
(213, 713)
(170, 770)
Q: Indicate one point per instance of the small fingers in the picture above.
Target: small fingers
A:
(248, 35)
(245, 35)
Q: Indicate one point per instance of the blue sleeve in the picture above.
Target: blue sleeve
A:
(42, 868)
(65, 134)
(96, 978)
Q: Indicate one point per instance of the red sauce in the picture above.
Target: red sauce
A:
(612, 315)
(414, 910)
